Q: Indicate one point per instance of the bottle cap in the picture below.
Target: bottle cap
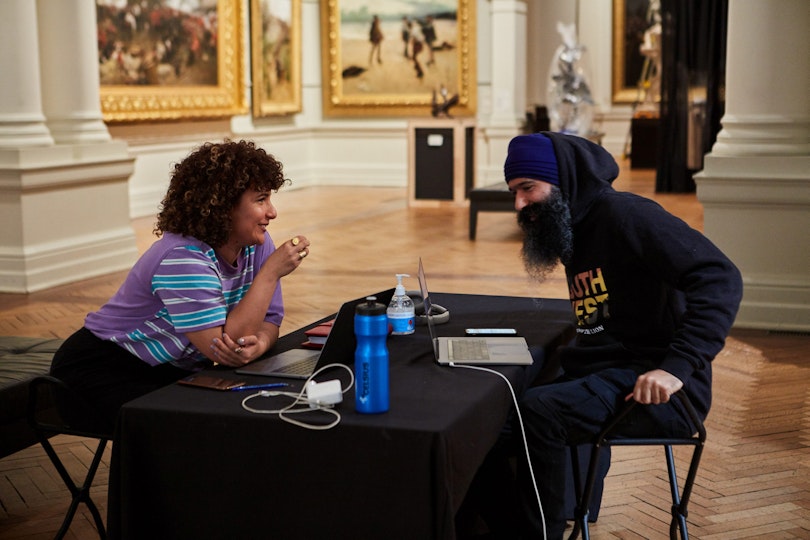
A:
(370, 307)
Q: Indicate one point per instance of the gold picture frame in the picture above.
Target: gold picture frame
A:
(166, 81)
(361, 80)
(276, 56)
(629, 24)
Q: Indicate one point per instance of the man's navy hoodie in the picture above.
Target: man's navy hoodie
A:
(647, 290)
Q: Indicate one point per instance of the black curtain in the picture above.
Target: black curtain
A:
(693, 65)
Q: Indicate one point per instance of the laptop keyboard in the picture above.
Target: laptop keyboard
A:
(467, 349)
(302, 367)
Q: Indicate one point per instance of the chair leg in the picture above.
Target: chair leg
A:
(79, 493)
(680, 502)
(577, 492)
(91, 473)
(584, 494)
(677, 517)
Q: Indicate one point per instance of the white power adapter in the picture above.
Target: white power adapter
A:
(324, 394)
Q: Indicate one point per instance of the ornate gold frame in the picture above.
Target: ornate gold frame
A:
(263, 104)
(622, 93)
(338, 103)
(154, 102)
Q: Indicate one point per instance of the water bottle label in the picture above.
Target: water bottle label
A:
(364, 383)
(402, 324)
(371, 394)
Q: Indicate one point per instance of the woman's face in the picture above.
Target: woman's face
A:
(250, 217)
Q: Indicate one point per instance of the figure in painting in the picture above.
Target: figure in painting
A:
(375, 36)
(406, 34)
(429, 33)
(417, 44)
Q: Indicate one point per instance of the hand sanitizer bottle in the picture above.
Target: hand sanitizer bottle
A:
(400, 311)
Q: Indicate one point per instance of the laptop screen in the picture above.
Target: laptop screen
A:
(340, 344)
(428, 306)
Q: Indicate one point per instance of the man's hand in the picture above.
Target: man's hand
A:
(655, 387)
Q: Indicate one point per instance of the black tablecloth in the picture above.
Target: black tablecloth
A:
(192, 463)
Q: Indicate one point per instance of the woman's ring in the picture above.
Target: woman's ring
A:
(295, 241)
(238, 350)
(302, 253)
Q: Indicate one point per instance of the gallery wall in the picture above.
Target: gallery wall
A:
(371, 148)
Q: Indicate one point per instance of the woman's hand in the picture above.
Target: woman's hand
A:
(288, 256)
(223, 349)
(236, 353)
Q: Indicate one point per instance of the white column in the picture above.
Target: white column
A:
(767, 80)
(755, 186)
(21, 119)
(507, 98)
(64, 208)
(70, 77)
(508, 18)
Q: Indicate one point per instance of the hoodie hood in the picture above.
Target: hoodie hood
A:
(586, 170)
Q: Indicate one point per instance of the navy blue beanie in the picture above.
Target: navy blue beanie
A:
(531, 156)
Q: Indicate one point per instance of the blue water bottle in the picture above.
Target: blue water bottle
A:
(371, 357)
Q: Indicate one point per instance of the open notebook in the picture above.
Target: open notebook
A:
(302, 363)
(473, 350)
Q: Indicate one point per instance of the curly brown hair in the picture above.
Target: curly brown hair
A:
(207, 185)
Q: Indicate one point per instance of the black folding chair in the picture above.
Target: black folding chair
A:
(679, 501)
(74, 416)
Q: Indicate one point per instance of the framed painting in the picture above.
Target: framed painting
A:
(393, 58)
(629, 25)
(275, 28)
(170, 59)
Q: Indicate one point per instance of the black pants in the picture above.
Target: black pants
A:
(107, 375)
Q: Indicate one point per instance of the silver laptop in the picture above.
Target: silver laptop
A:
(473, 350)
(302, 363)
(292, 364)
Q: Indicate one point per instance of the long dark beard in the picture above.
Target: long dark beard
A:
(549, 238)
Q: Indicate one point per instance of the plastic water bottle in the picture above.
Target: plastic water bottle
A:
(371, 357)
(400, 311)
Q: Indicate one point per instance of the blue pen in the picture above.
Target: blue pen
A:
(258, 386)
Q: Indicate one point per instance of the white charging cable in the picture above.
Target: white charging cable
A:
(302, 402)
(522, 432)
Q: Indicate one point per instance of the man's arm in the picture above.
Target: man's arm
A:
(712, 290)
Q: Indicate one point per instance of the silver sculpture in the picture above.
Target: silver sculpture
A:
(570, 104)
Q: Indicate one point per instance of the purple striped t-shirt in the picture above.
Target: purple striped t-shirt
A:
(178, 286)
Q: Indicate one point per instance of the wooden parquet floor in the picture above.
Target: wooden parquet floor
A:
(754, 480)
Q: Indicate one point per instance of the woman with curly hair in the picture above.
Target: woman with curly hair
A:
(207, 291)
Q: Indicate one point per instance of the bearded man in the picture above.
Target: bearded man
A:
(653, 300)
